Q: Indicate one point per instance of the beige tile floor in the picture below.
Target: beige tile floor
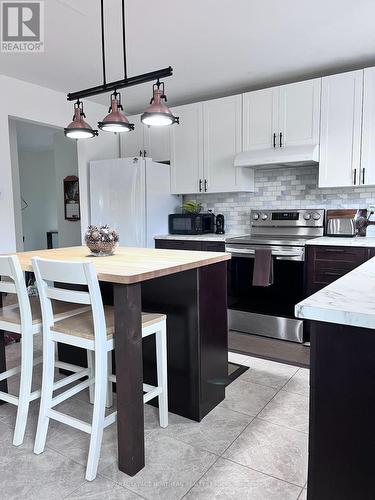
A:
(252, 446)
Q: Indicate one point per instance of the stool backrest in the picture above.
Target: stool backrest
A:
(10, 268)
(49, 272)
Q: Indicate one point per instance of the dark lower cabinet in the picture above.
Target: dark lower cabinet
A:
(342, 413)
(202, 246)
(325, 264)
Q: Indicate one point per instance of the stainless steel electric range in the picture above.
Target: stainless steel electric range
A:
(269, 310)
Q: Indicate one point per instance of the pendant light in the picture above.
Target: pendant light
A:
(116, 121)
(78, 128)
(158, 114)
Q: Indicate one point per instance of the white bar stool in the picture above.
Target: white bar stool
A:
(93, 331)
(25, 318)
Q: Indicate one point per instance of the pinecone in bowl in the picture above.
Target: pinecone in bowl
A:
(101, 240)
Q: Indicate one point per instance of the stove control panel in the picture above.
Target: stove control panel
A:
(287, 218)
(316, 216)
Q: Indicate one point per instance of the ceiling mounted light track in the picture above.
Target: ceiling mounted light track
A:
(157, 114)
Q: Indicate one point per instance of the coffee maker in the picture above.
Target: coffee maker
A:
(220, 224)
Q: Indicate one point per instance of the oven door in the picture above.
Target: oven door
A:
(267, 311)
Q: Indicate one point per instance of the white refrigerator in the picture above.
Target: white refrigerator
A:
(133, 196)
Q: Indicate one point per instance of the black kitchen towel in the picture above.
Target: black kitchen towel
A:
(263, 267)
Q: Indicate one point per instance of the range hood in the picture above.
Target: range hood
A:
(292, 156)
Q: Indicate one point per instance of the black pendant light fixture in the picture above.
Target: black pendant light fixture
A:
(78, 128)
(157, 114)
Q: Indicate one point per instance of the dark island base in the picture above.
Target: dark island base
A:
(195, 302)
(342, 413)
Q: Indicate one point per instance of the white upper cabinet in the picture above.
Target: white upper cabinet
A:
(282, 116)
(222, 141)
(157, 143)
(151, 142)
(187, 150)
(260, 119)
(299, 113)
(340, 137)
(367, 172)
(204, 145)
(132, 143)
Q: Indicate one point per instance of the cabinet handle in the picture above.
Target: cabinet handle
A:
(355, 176)
(281, 139)
(274, 140)
(144, 153)
(205, 185)
(140, 153)
(200, 185)
(363, 176)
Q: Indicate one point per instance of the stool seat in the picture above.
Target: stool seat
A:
(82, 325)
(11, 313)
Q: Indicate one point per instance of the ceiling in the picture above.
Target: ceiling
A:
(216, 47)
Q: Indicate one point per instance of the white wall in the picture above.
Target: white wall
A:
(23, 100)
(38, 188)
(66, 163)
(16, 184)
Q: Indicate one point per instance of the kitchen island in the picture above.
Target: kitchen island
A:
(190, 288)
(342, 387)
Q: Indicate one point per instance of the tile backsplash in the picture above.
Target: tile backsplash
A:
(283, 188)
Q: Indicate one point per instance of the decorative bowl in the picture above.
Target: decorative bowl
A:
(102, 241)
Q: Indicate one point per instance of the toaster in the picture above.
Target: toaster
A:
(346, 222)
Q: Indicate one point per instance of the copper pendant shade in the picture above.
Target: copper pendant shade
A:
(79, 128)
(158, 114)
(116, 121)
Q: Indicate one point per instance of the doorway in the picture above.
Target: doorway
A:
(42, 158)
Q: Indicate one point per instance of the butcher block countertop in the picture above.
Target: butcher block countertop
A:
(130, 265)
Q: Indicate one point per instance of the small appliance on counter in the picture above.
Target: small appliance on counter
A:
(346, 222)
(191, 223)
(220, 224)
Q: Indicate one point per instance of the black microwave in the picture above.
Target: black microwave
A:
(191, 223)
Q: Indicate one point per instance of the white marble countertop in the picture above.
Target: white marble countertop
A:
(200, 237)
(350, 300)
(339, 241)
